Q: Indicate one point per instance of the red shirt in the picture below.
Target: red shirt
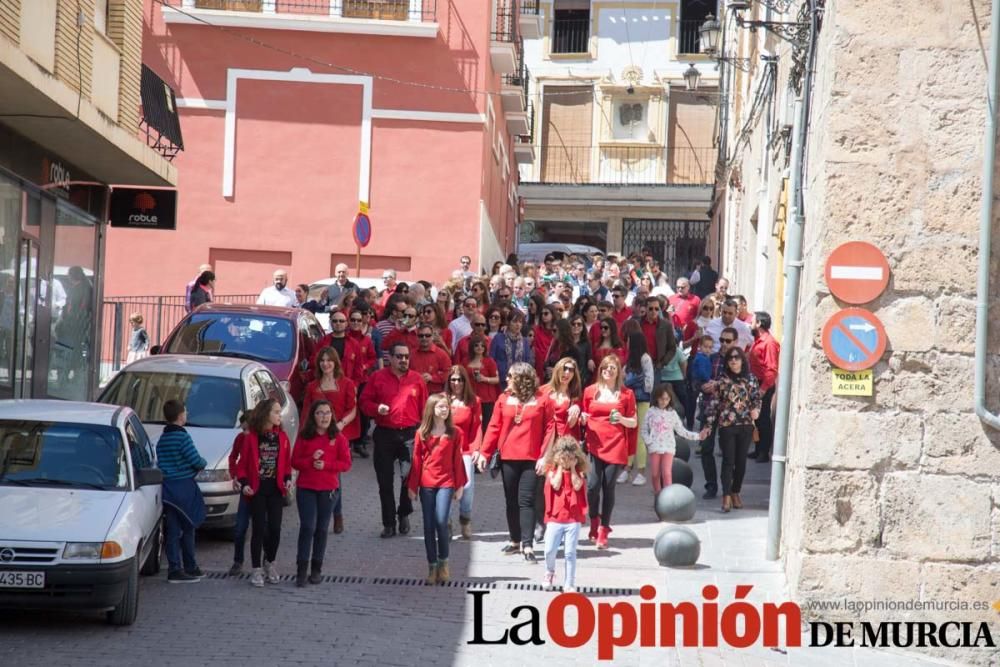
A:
(469, 420)
(621, 316)
(609, 442)
(343, 399)
(543, 341)
(405, 397)
(565, 505)
(364, 341)
(248, 465)
(435, 362)
(764, 355)
(649, 333)
(485, 392)
(437, 463)
(407, 337)
(600, 352)
(685, 309)
(560, 415)
(235, 453)
(522, 432)
(335, 456)
(352, 361)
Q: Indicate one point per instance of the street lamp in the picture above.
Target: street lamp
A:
(691, 77)
(709, 35)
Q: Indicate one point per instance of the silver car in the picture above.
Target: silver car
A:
(215, 391)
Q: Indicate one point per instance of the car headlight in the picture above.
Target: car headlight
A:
(91, 550)
(214, 475)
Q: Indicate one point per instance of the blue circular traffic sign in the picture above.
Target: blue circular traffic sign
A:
(362, 230)
(854, 339)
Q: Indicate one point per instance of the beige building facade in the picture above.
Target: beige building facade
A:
(895, 496)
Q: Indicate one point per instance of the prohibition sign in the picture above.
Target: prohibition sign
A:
(362, 230)
(854, 339)
(857, 272)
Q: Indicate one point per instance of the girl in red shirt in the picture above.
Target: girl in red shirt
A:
(321, 454)
(608, 343)
(438, 474)
(565, 507)
(485, 376)
(465, 414)
(609, 413)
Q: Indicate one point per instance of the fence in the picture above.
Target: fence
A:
(609, 164)
(688, 38)
(571, 35)
(386, 10)
(160, 315)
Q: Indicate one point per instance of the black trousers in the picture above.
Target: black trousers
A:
(520, 484)
(708, 463)
(366, 422)
(765, 426)
(601, 488)
(392, 445)
(487, 414)
(735, 443)
(266, 507)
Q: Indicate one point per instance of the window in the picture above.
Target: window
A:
(571, 26)
(139, 445)
(59, 454)
(211, 402)
(693, 15)
(630, 121)
(267, 339)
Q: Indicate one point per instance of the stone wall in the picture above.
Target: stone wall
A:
(897, 496)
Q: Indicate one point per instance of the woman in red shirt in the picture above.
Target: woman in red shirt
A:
(485, 376)
(521, 426)
(431, 314)
(321, 454)
(565, 391)
(438, 474)
(465, 414)
(609, 413)
(332, 385)
(609, 343)
(545, 333)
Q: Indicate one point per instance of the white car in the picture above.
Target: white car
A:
(215, 391)
(82, 501)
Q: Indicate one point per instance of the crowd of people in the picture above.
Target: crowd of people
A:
(566, 378)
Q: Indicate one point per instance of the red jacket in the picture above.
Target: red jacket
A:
(248, 466)
(367, 352)
(543, 341)
(352, 361)
(560, 414)
(764, 355)
(235, 453)
(567, 505)
(435, 362)
(469, 420)
(437, 463)
(612, 443)
(335, 456)
(342, 401)
(406, 336)
(405, 397)
(522, 432)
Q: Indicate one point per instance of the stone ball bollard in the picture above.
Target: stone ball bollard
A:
(677, 546)
(681, 473)
(675, 503)
(683, 449)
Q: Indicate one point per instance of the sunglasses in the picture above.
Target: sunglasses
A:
(410, 315)
(456, 380)
(654, 309)
(479, 324)
(734, 359)
(605, 327)
(341, 321)
(357, 320)
(727, 340)
(568, 369)
(576, 324)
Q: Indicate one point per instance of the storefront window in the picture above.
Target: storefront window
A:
(73, 306)
(10, 234)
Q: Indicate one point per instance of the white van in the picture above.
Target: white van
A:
(536, 252)
(82, 502)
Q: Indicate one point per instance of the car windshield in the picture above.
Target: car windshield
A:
(268, 339)
(34, 453)
(212, 402)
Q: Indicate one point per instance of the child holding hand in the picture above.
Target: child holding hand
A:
(658, 429)
(565, 506)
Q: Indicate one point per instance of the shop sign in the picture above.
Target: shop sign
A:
(143, 208)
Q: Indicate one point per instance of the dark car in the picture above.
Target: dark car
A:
(283, 339)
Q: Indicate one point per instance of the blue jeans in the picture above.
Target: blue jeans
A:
(436, 506)
(555, 533)
(180, 541)
(241, 529)
(468, 491)
(315, 508)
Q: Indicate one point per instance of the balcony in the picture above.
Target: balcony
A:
(530, 20)
(688, 38)
(571, 33)
(617, 164)
(514, 89)
(412, 18)
(505, 41)
(524, 144)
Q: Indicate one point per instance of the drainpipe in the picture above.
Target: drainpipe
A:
(793, 276)
(986, 223)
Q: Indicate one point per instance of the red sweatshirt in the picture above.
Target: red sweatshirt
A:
(405, 396)
(248, 466)
(235, 453)
(364, 341)
(565, 505)
(335, 456)
(522, 432)
(342, 401)
(612, 443)
(469, 420)
(437, 463)
(435, 362)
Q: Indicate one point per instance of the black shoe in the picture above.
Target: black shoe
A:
(300, 573)
(196, 572)
(316, 573)
(236, 569)
(404, 525)
(181, 577)
(388, 531)
(763, 459)
(708, 495)
(510, 549)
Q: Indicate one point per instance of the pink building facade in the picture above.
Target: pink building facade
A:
(294, 111)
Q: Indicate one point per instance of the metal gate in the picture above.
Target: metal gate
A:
(676, 244)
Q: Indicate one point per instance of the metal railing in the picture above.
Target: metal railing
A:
(530, 136)
(571, 35)
(384, 10)
(529, 7)
(518, 78)
(160, 315)
(688, 37)
(610, 164)
(505, 22)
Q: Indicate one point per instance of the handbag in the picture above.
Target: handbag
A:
(494, 464)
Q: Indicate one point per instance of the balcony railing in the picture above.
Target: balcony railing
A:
(529, 7)
(530, 136)
(519, 78)
(688, 39)
(571, 35)
(384, 10)
(611, 164)
(505, 22)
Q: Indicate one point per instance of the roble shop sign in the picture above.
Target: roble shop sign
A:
(143, 208)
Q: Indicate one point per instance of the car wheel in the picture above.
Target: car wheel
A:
(128, 608)
(152, 564)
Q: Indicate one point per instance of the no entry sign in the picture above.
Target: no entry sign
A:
(857, 272)
(854, 339)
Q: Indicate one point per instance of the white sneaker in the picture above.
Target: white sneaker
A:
(547, 580)
(270, 573)
(568, 588)
(639, 480)
(623, 477)
(257, 578)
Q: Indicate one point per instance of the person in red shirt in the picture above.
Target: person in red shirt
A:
(545, 333)
(352, 358)
(610, 342)
(743, 312)
(565, 390)
(685, 304)
(485, 376)
(764, 354)
(609, 413)
(429, 360)
(620, 312)
(264, 472)
(462, 349)
(522, 425)
(438, 475)
(394, 397)
(406, 333)
(360, 332)
(466, 414)
(431, 313)
(565, 507)
(321, 454)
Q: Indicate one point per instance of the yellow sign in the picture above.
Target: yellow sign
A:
(852, 383)
(363, 207)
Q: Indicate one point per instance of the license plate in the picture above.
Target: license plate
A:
(10, 579)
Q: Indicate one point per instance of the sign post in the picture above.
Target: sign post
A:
(854, 339)
(857, 272)
(362, 232)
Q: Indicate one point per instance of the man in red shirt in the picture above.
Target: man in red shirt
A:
(685, 304)
(430, 361)
(656, 330)
(394, 397)
(764, 354)
(621, 312)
